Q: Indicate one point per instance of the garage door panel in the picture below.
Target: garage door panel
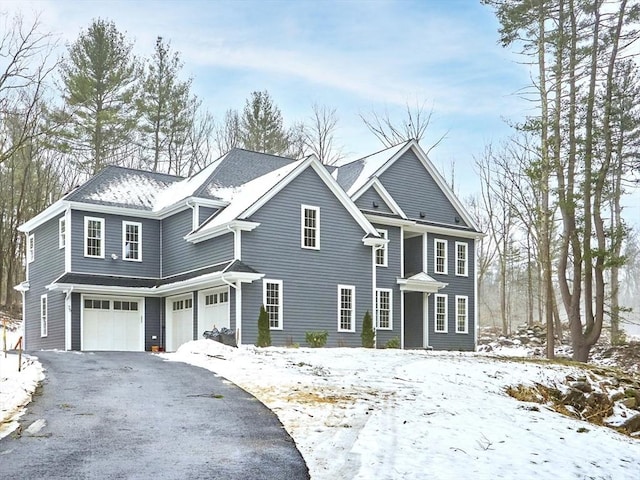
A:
(213, 310)
(179, 321)
(107, 328)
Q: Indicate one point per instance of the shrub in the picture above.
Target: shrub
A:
(368, 335)
(393, 343)
(264, 333)
(316, 339)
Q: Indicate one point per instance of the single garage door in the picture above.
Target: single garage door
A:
(112, 324)
(213, 310)
(179, 321)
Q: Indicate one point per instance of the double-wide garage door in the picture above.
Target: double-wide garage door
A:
(112, 324)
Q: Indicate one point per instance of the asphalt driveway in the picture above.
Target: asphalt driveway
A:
(116, 415)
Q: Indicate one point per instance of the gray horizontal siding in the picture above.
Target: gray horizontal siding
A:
(178, 255)
(204, 213)
(148, 267)
(367, 200)
(47, 266)
(153, 322)
(413, 255)
(387, 277)
(416, 191)
(310, 277)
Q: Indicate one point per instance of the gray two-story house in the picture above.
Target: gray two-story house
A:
(134, 259)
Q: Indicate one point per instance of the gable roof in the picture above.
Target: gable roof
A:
(360, 174)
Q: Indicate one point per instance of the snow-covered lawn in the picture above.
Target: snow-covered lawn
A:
(390, 414)
(16, 388)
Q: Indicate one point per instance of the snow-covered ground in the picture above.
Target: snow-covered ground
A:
(16, 388)
(390, 414)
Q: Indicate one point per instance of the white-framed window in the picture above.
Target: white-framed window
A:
(272, 301)
(381, 252)
(346, 308)
(31, 248)
(462, 314)
(462, 259)
(44, 320)
(132, 241)
(440, 316)
(440, 256)
(310, 227)
(62, 232)
(94, 237)
(384, 308)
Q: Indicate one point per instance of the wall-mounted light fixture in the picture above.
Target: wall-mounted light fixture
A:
(114, 256)
(422, 215)
(375, 204)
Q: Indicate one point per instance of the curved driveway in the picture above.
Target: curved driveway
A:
(116, 415)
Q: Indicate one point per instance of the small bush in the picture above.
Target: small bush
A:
(316, 339)
(264, 333)
(368, 335)
(393, 343)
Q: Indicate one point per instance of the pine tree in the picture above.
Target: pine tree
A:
(368, 335)
(264, 333)
(261, 127)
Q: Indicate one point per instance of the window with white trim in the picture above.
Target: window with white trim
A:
(132, 241)
(272, 300)
(44, 321)
(462, 259)
(440, 316)
(310, 227)
(62, 232)
(384, 309)
(94, 237)
(462, 314)
(440, 256)
(346, 308)
(381, 252)
(31, 248)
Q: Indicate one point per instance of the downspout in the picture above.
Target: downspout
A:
(235, 287)
(68, 309)
(374, 282)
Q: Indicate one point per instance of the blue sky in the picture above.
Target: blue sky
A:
(354, 56)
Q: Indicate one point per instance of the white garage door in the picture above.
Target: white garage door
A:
(112, 324)
(213, 310)
(179, 321)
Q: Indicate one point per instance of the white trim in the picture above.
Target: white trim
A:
(442, 230)
(303, 226)
(446, 313)
(402, 320)
(125, 224)
(475, 295)
(425, 320)
(62, 232)
(237, 244)
(425, 252)
(390, 291)
(466, 319)
(374, 284)
(265, 282)
(67, 319)
(196, 216)
(68, 240)
(392, 221)
(352, 320)
(200, 236)
(44, 316)
(375, 183)
(88, 219)
(384, 233)
(402, 254)
(31, 248)
(238, 306)
(436, 242)
(466, 259)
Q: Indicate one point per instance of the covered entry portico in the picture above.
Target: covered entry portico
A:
(415, 292)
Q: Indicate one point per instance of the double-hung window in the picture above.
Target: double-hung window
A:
(384, 315)
(272, 300)
(132, 241)
(44, 322)
(462, 314)
(440, 256)
(381, 252)
(310, 227)
(346, 308)
(94, 237)
(31, 248)
(462, 259)
(441, 313)
(62, 232)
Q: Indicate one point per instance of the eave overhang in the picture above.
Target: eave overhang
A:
(420, 282)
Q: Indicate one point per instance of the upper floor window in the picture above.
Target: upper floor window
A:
(381, 252)
(462, 314)
(440, 256)
(31, 248)
(44, 321)
(462, 261)
(441, 314)
(94, 237)
(346, 308)
(272, 300)
(383, 309)
(310, 223)
(62, 232)
(132, 241)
